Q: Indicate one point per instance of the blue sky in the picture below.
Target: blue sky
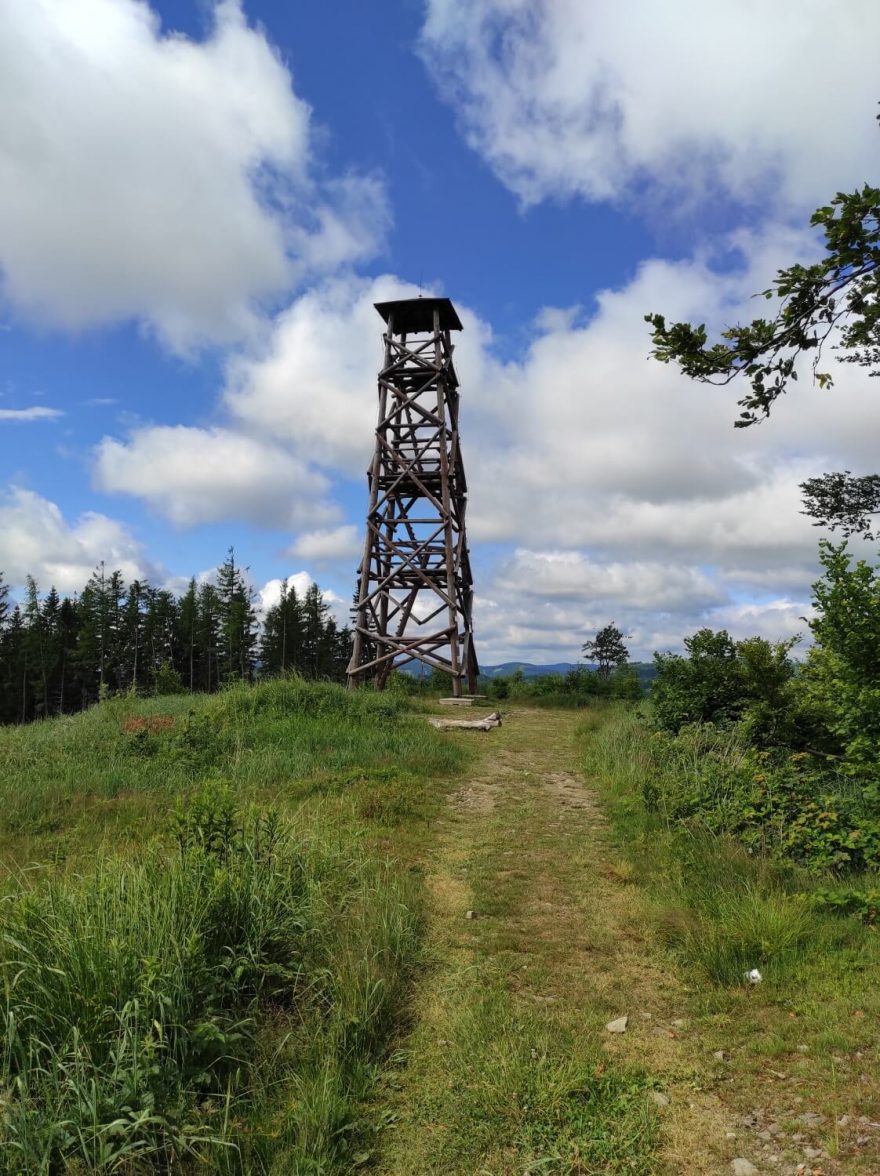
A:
(199, 204)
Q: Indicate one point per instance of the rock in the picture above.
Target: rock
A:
(811, 1118)
(721, 1055)
(741, 1167)
(680, 1023)
(660, 1099)
(618, 1026)
(812, 1153)
(843, 1121)
(470, 915)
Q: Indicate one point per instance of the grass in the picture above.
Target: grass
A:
(134, 997)
(234, 938)
(109, 768)
(203, 971)
(796, 1042)
(508, 1067)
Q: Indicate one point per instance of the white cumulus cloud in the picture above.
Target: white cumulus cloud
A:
(580, 98)
(193, 475)
(147, 176)
(37, 540)
(328, 546)
(314, 383)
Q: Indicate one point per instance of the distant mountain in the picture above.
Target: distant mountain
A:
(529, 669)
(645, 670)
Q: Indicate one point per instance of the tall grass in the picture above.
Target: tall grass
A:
(207, 966)
(276, 740)
(722, 908)
(142, 1003)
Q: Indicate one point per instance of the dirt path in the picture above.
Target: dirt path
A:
(536, 940)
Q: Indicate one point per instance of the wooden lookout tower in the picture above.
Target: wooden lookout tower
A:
(415, 590)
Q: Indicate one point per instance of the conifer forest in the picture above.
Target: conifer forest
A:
(60, 654)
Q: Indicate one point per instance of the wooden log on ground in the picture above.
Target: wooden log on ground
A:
(487, 724)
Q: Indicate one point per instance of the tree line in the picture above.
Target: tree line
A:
(59, 654)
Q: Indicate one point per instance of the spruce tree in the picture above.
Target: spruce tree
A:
(208, 637)
(281, 642)
(237, 622)
(132, 635)
(51, 618)
(15, 658)
(35, 646)
(187, 632)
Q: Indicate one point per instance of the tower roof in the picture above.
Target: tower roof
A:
(413, 316)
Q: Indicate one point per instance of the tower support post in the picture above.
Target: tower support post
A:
(414, 596)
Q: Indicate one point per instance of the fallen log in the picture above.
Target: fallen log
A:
(487, 724)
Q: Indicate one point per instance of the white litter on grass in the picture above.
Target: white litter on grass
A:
(753, 977)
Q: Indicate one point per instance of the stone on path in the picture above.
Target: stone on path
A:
(741, 1167)
(661, 1099)
(618, 1026)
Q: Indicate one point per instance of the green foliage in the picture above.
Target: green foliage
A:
(725, 681)
(787, 762)
(607, 649)
(580, 687)
(725, 907)
(784, 805)
(840, 290)
(845, 666)
(862, 904)
(220, 1004)
(840, 296)
(167, 680)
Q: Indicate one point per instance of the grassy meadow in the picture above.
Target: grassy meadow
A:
(204, 936)
(288, 929)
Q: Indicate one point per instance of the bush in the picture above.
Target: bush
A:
(724, 681)
(789, 805)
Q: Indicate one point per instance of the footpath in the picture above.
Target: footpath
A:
(536, 942)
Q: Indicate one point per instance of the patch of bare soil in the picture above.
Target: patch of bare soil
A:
(149, 723)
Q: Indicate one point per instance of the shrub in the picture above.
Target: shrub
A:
(863, 904)
(789, 805)
(724, 681)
